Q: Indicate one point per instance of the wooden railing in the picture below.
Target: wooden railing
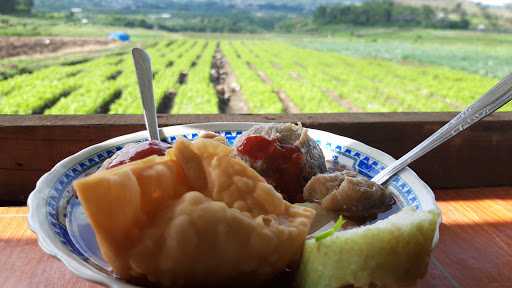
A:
(481, 156)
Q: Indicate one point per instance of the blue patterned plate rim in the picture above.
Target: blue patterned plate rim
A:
(417, 194)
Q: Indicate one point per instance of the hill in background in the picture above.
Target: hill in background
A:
(468, 5)
(45, 5)
(267, 15)
(141, 5)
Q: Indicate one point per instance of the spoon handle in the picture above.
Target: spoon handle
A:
(498, 96)
(145, 78)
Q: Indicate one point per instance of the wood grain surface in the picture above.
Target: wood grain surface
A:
(36, 143)
(475, 248)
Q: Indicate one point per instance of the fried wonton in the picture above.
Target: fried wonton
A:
(197, 217)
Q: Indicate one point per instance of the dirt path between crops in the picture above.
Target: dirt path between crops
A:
(231, 100)
(39, 47)
(277, 66)
(288, 105)
(295, 75)
(342, 102)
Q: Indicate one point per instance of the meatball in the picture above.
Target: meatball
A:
(135, 151)
(290, 134)
(353, 196)
(284, 155)
(322, 185)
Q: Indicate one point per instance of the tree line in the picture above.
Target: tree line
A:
(16, 6)
(227, 21)
(389, 13)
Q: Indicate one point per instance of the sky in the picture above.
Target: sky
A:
(493, 2)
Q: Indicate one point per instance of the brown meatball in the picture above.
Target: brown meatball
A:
(353, 196)
(323, 184)
(290, 134)
(284, 155)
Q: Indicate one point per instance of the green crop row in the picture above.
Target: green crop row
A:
(98, 87)
(30, 94)
(307, 97)
(34, 93)
(258, 95)
(197, 96)
(492, 59)
(75, 89)
(130, 102)
(300, 64)
(167, 81)
(417, 88)
(339, 77)
(28, 81)
(379, 85)
(95, 90)
(314, 81)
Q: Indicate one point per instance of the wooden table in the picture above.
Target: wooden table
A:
(475, 249)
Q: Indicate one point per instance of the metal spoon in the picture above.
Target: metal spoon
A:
(491, 101)
(145, 79)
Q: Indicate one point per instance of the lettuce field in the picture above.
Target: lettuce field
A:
(194, 75)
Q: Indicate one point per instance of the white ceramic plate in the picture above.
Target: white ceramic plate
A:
(63, 230)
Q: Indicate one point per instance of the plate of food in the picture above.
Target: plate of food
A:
(235, 205)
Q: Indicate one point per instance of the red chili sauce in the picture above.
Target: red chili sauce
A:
(139, 151)
(281, 165)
